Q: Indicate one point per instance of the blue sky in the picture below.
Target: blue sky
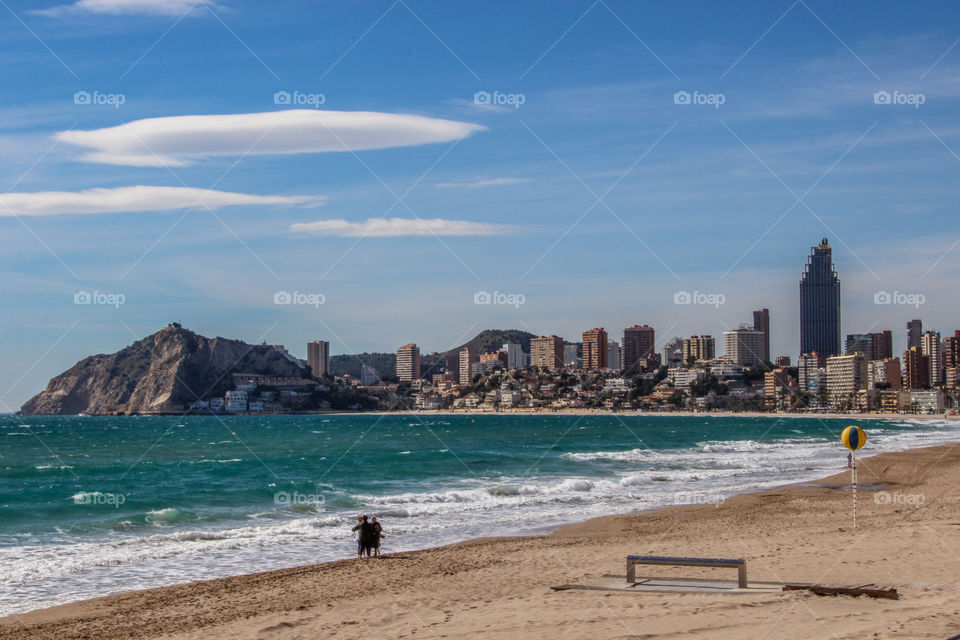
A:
(597, 199)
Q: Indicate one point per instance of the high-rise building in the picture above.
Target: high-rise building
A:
(820, 303)
(546, 351)
(495, 358)
(846, 376)
(916, 370)
(613, 355)
(914, 331)
(782, 362)
(318, 357)
(408, 363)
(881, 344)
(859, 343)
(571, 356)
(638, 345)
(761, 322)
(368, 375)
(951, 350)
(514, 355)
(671, 354)
(932, 349)
(594, 349)
(467, 357)
(885, 374)
(699, 348)
(743, 346)
(776, 388)
(807, 366)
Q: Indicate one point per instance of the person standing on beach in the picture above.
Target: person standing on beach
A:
(364, 531)
(377, 534)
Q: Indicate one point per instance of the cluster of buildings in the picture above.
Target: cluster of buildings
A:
(860, 373)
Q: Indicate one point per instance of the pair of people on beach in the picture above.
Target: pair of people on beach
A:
(369, 532)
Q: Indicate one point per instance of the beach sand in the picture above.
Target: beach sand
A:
(500, 587)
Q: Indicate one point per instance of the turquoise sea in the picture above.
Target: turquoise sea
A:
(97, 505)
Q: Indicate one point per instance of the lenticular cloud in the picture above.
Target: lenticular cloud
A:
(136, 198)
(182, 140)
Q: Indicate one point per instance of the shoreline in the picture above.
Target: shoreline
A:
(196, 609)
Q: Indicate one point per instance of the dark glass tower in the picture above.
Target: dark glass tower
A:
(820, 304)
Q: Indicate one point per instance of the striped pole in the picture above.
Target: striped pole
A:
(853, 474)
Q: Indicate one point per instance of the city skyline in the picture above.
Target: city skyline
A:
(589, 169)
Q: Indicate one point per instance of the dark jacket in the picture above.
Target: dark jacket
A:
(366, 535)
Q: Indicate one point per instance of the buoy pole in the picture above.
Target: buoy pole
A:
(853, 476)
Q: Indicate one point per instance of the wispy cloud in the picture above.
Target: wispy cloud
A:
(124, 7)
(181, 140)
(136, 198)
(393, 227)
(480, 183)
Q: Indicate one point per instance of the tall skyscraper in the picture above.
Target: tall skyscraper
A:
(699, 348)
(820, 303)
(881, 344)
(514, 355)
(859, 343)
(638, 345)
(594, 349)
(914, 332)
(467, 358)
(761, 322)
(932, 348)
(318, 357)
(546, 351)
(408, 363)
(916, 370)
(743, 346)
(614, 360)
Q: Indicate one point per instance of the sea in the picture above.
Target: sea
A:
(91, 506)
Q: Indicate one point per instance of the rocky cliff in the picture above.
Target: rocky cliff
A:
(165, 372)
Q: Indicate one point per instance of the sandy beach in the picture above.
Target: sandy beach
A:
(908, 538)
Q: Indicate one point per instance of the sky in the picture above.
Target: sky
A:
(365, 173)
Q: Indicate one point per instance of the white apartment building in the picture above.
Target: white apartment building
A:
(744, 346)
(236, 401)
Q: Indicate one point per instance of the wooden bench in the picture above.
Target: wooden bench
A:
(739, 563)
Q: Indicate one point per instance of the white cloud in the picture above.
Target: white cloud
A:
(479, 183)
(137, 198)
(123, 7)
(392, 227)
(181, 140)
